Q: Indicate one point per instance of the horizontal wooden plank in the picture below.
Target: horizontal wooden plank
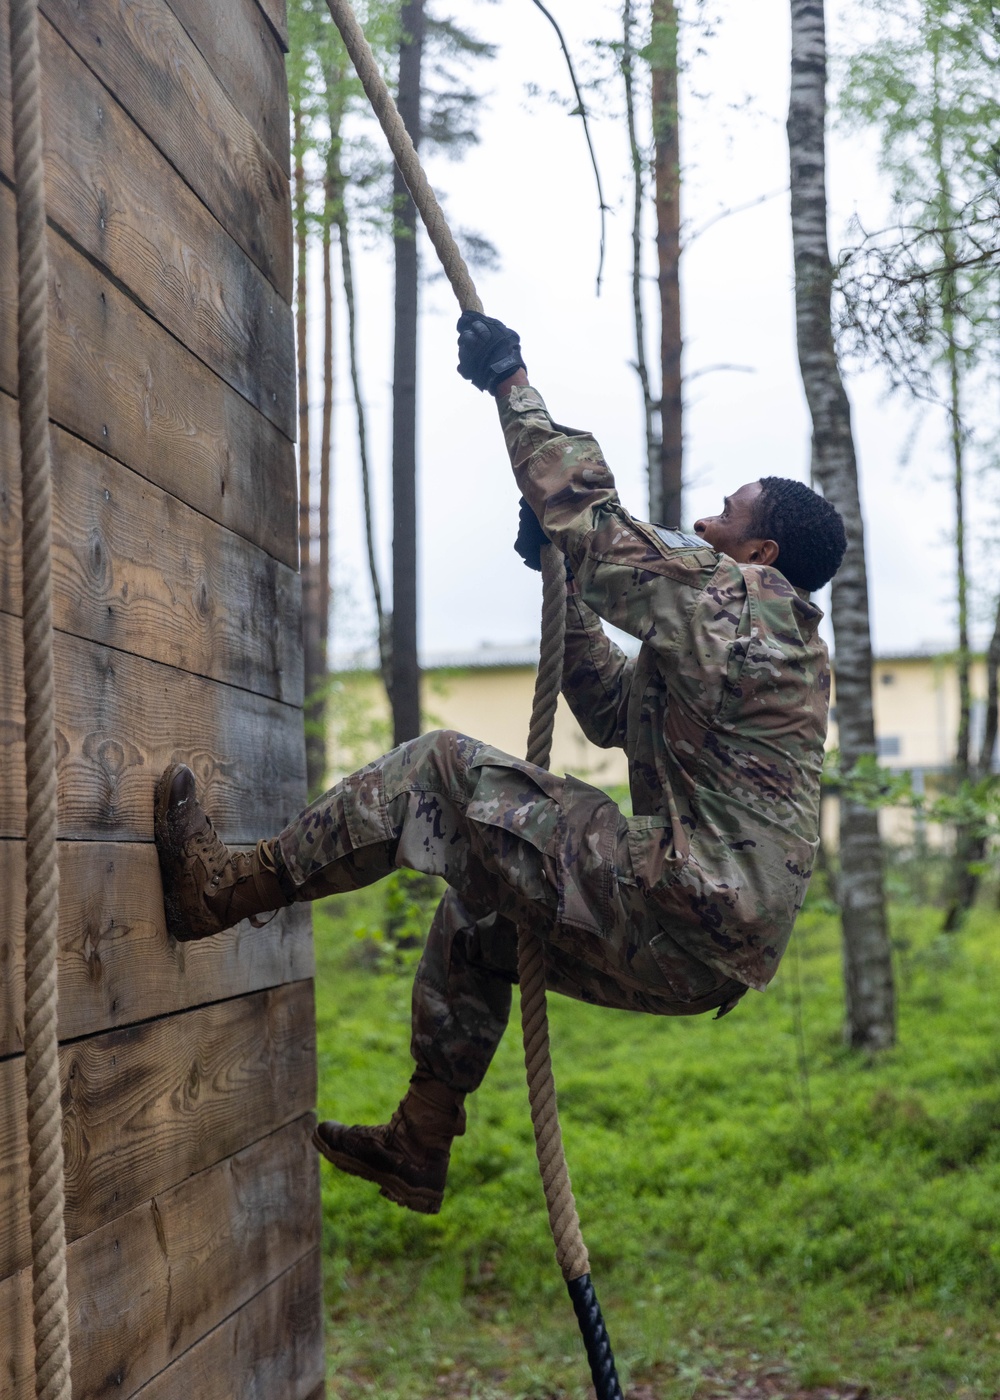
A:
(144, 1288)
(146, 1107)
(240, 47)
(120, 382)
(123, 203)
(120, 720)
(272, 1349)
(137, 569)
(117, 964)
(142, 54)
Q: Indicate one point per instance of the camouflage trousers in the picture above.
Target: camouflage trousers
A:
(516, 845)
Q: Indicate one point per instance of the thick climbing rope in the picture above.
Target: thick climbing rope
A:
(571, 1252)
(50, 1302)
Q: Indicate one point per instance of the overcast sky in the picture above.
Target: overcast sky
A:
(529, 188)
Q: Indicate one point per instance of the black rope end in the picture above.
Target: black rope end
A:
(595, 1338)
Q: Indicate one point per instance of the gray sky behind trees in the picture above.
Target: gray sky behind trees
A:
(529, 188)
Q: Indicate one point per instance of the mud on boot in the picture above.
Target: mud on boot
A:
(206, 887)
(407, 1158)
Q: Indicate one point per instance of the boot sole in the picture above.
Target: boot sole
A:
(422, 1199)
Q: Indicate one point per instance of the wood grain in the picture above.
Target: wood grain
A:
(277, 16)
(126, 206)
(272, 1349)
(120, 382)
(244, 55)
(117, 964)
(146, 1287)
(140, 51)
(147, 1106)
(120, 720)
(137, 569)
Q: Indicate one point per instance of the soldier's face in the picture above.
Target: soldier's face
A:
(730, 531)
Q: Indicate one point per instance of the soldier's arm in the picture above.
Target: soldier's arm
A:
(625, 572)
(596, 676)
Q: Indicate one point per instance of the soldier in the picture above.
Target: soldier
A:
(676, 910)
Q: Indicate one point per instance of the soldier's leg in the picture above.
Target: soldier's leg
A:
(461, 994)
(460, 1008)
(443, 804)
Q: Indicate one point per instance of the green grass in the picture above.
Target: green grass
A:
(753, 1195)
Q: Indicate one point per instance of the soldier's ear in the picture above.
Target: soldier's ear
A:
(764, 552)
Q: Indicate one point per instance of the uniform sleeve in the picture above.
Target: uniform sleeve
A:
(626, 573)
(597, 676)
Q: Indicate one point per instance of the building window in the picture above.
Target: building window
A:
(888, 678)
(889, 745)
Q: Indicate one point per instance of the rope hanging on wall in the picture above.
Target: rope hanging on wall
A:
(571, 1252)
(46, 1190)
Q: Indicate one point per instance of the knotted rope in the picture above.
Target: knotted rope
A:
(41, 925)
(571, 1252)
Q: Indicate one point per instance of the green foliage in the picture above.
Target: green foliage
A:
(970, 806)
(752, 1193)
(923, 292)
(358, 721)
(393, 941)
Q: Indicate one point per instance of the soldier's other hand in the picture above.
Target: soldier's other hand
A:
(488, 351)
(530, 537)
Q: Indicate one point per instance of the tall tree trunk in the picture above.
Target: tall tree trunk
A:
(339, 215)
(300, 338)
(985, 765)
(314, 671)
(405, 693)
(964, 658)
(347, 272)
(649, 404)
(326, 440)
(963, 882)
(867, 956)
(969, 848)
(667, 180)
(971, 844)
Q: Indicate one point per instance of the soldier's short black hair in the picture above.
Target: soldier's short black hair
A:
(807, 529)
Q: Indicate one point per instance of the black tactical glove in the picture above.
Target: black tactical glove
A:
(530, 537)
(488, 352)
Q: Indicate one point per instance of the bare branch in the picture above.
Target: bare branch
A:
(580, 111)
(735, 209)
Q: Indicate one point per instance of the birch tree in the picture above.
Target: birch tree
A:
(870, 1001)
(921, 295)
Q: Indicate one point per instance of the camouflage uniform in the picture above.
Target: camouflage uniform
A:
(675, 910)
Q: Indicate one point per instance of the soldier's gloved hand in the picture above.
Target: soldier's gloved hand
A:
(530, 537)
(488, 351)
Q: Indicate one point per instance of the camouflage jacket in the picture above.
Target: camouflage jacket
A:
(722, 714)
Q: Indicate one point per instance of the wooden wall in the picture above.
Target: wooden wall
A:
(188, 1069)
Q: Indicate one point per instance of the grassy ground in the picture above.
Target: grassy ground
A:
(767, 1214)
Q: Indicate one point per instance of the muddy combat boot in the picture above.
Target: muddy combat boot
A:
(206, 887)
(408, 1156)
